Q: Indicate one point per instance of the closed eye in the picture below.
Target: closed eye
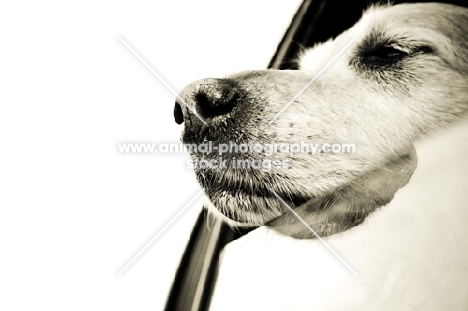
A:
(387, 52)
(388, 55)
(384, 55)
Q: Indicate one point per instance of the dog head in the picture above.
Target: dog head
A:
(398, 75)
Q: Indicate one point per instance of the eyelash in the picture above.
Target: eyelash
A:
(389, 55)
(387, 51)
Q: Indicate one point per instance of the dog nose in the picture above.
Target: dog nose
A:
(207, 98)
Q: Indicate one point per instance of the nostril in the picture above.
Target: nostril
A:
(216, 98)
(178, 114)
(213, 107)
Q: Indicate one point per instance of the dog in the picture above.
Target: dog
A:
(398, 91)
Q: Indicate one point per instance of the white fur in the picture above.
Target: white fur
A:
(410, 255)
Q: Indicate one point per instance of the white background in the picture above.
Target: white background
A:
(73, 211)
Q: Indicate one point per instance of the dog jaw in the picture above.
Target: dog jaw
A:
(350, 204)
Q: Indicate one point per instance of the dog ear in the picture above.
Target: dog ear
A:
(350, 204)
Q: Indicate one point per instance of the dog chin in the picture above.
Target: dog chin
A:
(242, 210)
(231, 222)
(246, 210)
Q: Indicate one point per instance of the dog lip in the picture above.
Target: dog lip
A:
(209, 180)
